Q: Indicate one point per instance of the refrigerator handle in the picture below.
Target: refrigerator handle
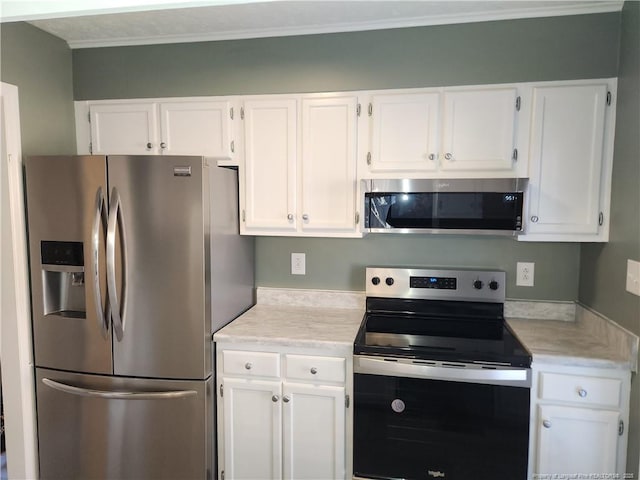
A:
(100, 220)
(118, 395)
(117, 306)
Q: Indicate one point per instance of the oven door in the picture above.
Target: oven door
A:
(415, 427)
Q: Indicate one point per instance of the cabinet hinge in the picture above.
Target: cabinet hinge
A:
(222, 475)
(91, 148)
(346, 401)
(518, 102)
(620, 428)
(357, 218)
(600, 218)
(370, 109)
(233, 146)
(368, 158)
(241, 113)
(515, 154)
(221, 390)
(608, 98)
(231, 113)
(89, 117)
(244, 216)
(359, 109)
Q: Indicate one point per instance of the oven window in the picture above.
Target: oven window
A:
(461, 210)
(427, 429)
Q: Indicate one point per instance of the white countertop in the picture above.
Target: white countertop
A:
(294, 318)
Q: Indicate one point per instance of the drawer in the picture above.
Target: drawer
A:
(580, 389)
(309, 367)
(255, 364)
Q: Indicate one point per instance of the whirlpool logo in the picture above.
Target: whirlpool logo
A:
(436, 474)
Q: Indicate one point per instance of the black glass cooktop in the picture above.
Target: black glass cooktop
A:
(439, 330)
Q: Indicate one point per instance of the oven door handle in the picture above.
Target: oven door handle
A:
(469, 373)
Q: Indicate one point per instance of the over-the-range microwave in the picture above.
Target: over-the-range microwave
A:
(480, 206)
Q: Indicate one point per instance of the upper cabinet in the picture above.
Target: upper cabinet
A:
(179, 127)
(299, 171)
(570, 161)
(462, 132)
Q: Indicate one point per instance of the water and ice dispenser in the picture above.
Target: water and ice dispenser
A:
(63, 282)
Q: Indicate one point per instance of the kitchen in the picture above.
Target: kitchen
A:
(552, 48)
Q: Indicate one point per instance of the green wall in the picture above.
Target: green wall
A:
(40, 65)
(603, 266)
(581, 46)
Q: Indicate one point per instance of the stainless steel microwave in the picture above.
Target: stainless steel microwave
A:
(480, 206)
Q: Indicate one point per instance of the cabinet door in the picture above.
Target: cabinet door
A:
(328, 171)
(478, 129)
(404, 134)
(314, 431)
(197, 128)
(576, 440)
(127, 129)
(252, 429)
(566, 159)
(270, 128)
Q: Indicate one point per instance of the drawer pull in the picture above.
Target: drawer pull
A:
(275, 398)
(546, 424)
(582, 392)
(286, 399)
(313, 370)
(248, 365)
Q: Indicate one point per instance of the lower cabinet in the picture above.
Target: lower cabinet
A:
(281, 415)
(579, 421)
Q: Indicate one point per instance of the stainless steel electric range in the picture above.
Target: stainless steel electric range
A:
(441, 383)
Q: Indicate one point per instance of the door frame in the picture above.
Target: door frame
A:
(16, 354)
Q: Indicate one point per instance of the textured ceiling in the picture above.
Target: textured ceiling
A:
(279, 18)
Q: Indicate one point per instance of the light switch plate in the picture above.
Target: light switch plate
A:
(633, 277)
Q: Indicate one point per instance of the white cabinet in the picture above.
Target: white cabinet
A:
(299, 175)
(570, 161)
(451, 132)
(579, 420)
(198, 126)
(281, 415)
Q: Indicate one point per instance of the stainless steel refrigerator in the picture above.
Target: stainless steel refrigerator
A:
(135, 262)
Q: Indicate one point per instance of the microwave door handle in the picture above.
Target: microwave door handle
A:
(117, 305)
(99, 220)
(117, 395)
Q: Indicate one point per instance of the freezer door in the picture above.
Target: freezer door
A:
(66, 210)
(161, 323)
(99, 427)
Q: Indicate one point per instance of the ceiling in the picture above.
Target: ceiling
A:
(170, 22)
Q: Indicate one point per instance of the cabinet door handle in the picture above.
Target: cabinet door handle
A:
(149, 146)
(290, 217)
(305, 217)
(432, 156)
(582, 392)
(313, 370)
(248, 365)
(275, 398)
(546, 424)
(534, 219)
(448, 156)
(286, 399)
(163, 145)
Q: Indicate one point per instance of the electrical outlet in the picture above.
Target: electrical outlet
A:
(633, 277)
(298, 266)
(525, 274)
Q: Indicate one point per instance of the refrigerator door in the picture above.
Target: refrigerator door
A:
(66, 209)
(162, 328)
(101, 427)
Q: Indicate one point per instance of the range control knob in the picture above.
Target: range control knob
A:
(389, 281)
(478, 284)
(493, 285)
(375, 280)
